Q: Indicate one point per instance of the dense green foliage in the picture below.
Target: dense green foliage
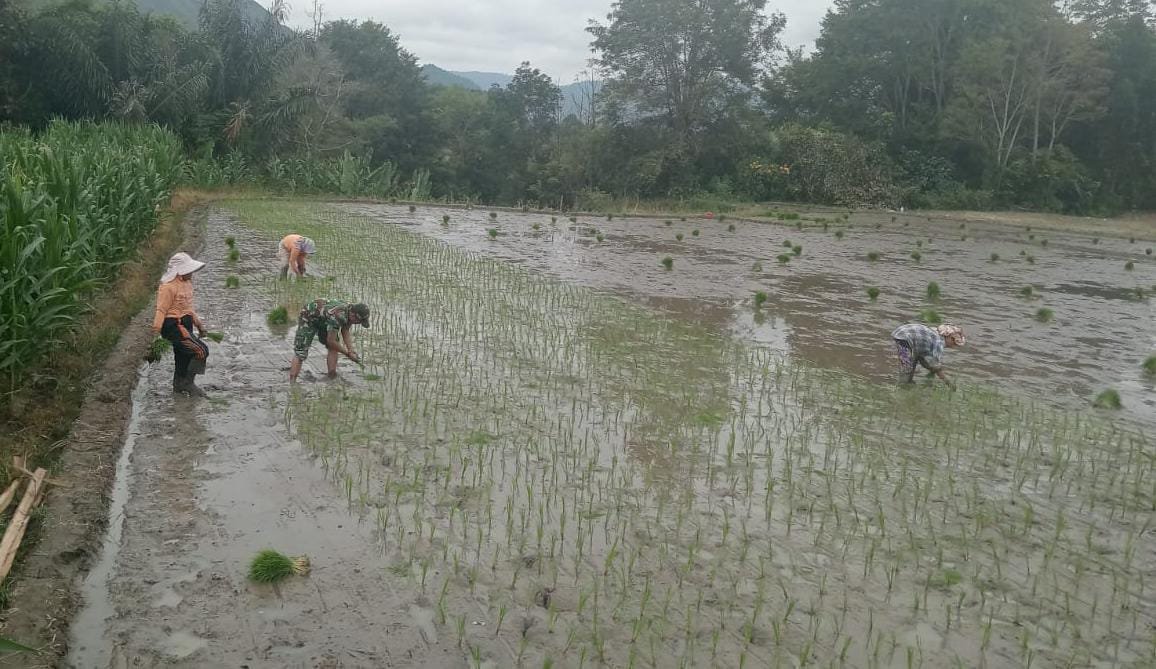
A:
(923, 103)
(75, 201)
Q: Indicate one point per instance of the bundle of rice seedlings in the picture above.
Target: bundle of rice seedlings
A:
(270, 566)
(278, 316)
(1108, 399)
(157, 349)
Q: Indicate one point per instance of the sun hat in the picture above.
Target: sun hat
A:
(362, 312)
(952, 331)
(306, 245)
(180, 265)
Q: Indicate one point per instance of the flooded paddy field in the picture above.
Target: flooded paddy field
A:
(560, 453)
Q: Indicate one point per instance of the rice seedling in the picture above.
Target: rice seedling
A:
(536, 227)
(599, 237)
(278, 316)
(445, 219)
(797, 250)
(731, 227)
(230, 241)
(1148, 251)
(678, 236)
(873, 293)
(668, 222)
(1131, 240)
(1045, 315)
(760, 299)
(217, 337)
(232, 281)
(573, 219)
(668, 262)
(412, 208)
(1031, 260)
(799, 226)
(994, 257)
(494, 216)
(933, 291)
(1028, 292)
(930, 317)
(787, 244)
(916, 256)
(757, 267)
(1043, 242)
(234, 255)
(1129, 266)
(1149, 365)
(1139, 294)
(1108, 399)
(839, 234)
(534, 427)
(493, 233)
(553, 219)
(682, 218)
(722, 218)
(694, 233)
(609, 217)
(873, 256)
(963, 238)
(157, 349)
(783, 258)
(789, 216)
(270, 566)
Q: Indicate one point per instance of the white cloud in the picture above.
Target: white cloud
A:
(497, 35)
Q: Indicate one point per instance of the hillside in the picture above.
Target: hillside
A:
(573, 95)
(436, 76)
(187, 12)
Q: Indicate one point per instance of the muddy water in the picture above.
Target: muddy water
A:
(526, 470)
(207, 484)
(640, 490)
(818, 309)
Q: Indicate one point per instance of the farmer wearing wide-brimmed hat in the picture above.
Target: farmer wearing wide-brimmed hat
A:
(175, 319)
(921, 345)
(292, 252)
(324, 319)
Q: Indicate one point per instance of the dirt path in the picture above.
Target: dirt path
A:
(207, 485)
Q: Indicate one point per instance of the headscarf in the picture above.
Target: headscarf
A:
(306, 245)
(952, 332)
(180, 265)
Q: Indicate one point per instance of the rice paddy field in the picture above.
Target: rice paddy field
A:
(572, 455)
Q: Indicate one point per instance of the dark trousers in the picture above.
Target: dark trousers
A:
(186, 345)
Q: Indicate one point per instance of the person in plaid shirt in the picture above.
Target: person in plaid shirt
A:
(920, 345)
(324, 319)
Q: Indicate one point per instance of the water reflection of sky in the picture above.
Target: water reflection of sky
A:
(817, 309)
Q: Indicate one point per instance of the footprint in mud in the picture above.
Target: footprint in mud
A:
(180, 645)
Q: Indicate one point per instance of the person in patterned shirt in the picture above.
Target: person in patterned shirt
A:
(920, 345)
(324, 319)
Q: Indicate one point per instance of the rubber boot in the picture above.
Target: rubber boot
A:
(191, 387)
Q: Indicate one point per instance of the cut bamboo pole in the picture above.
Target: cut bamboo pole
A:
(9, 494)
(16, 528)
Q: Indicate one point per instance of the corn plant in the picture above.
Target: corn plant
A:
(75, 201)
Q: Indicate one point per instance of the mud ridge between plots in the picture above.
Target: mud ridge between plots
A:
(74, 514)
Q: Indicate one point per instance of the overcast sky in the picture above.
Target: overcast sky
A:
(496, 35)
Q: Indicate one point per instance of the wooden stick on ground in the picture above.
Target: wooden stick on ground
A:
(19, 524)
(9, 494)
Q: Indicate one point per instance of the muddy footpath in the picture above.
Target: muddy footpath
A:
(203, 485)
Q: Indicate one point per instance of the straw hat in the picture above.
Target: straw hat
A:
(180, 265)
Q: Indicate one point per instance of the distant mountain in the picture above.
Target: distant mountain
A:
(484, 80)
(574, 96)
(436, 76)
(186, 12)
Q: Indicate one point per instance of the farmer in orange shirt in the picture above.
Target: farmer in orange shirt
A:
(175, 319)
(292, 252)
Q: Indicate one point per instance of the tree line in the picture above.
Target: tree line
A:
(920, 103)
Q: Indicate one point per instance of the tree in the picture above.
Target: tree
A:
(684, 59)
(386, 93)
